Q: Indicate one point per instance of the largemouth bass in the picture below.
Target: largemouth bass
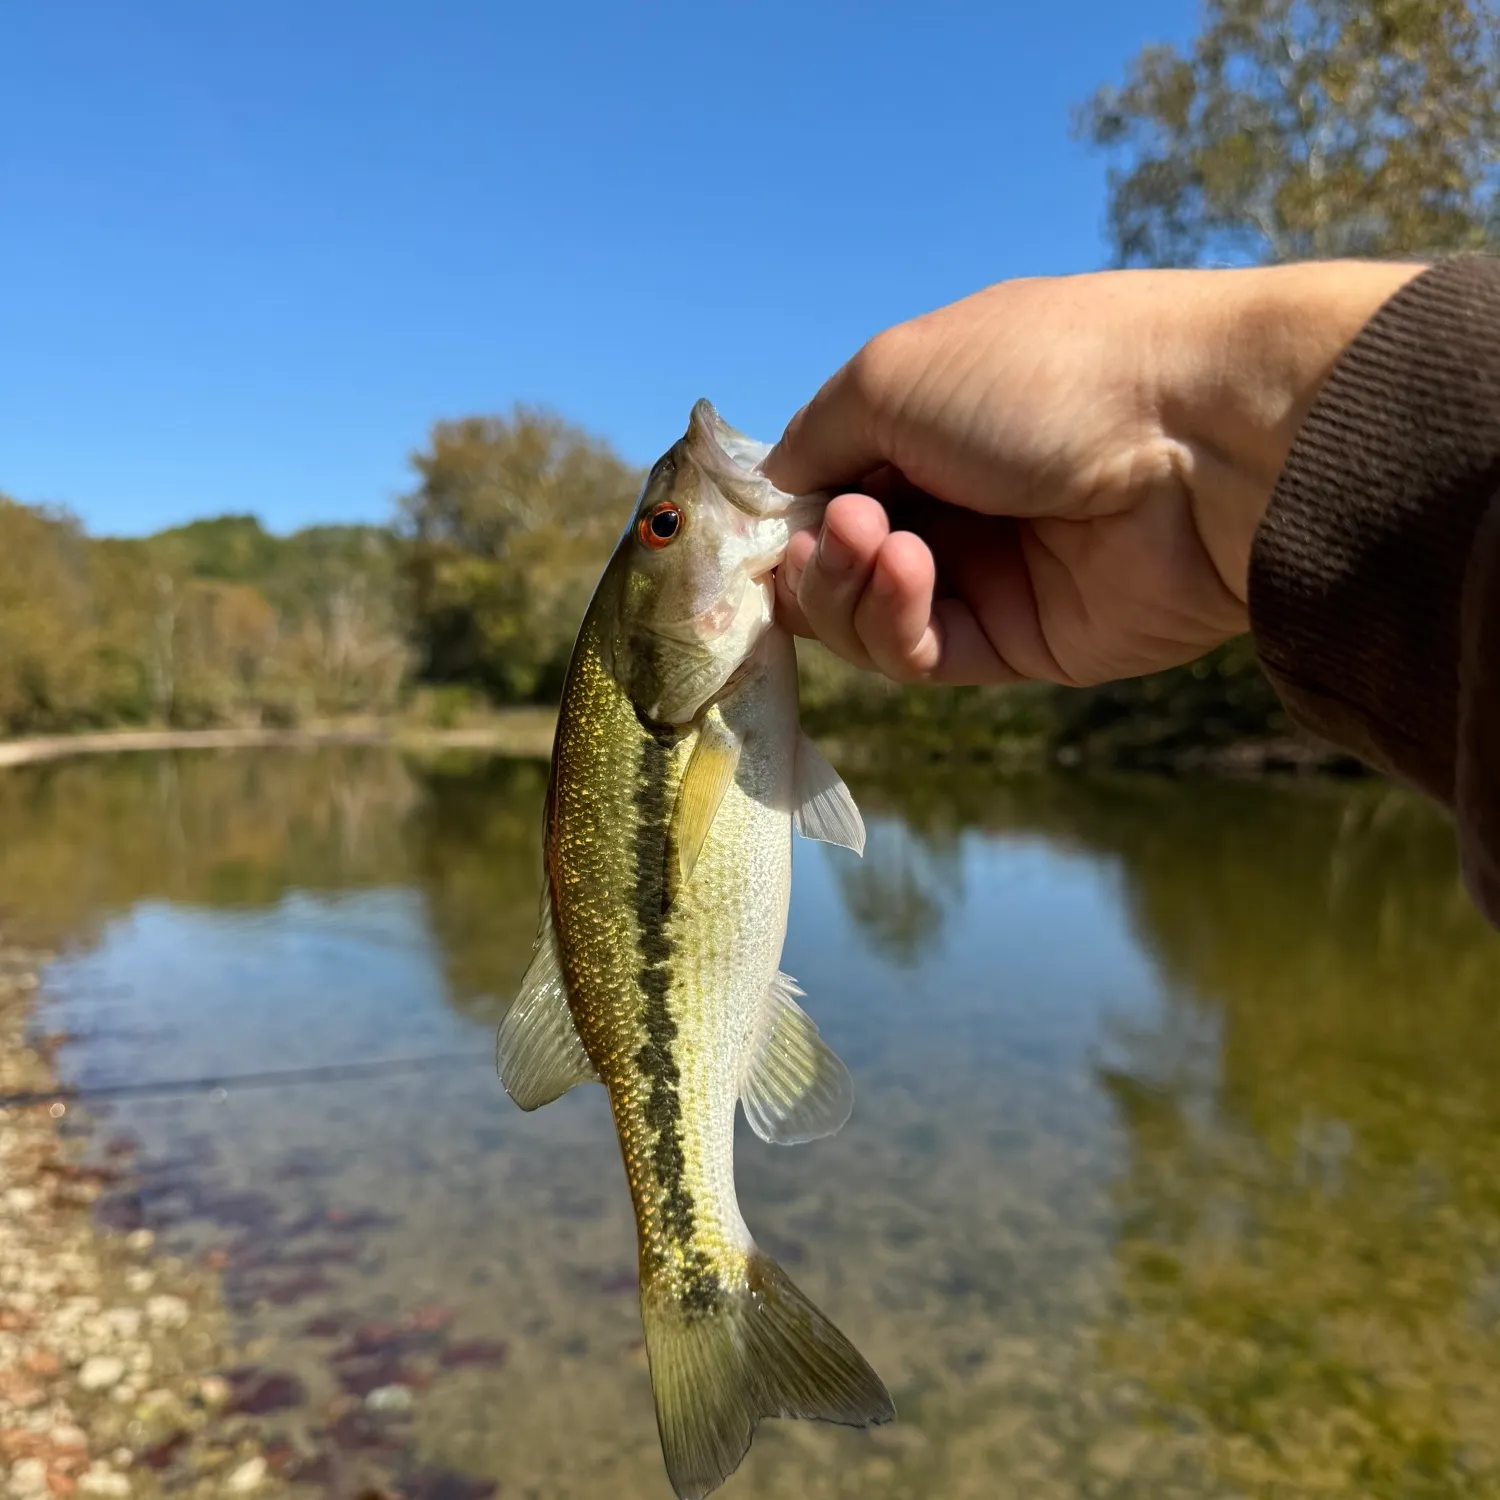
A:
(679, 771)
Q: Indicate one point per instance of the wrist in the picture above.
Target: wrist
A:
(1259, 343)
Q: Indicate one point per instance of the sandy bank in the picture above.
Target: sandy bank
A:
(522, 732)
(109, 1352)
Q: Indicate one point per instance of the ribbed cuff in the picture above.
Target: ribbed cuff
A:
(1358, 570)
(1477, 796)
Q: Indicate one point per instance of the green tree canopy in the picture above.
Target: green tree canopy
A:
(508, 530)
(1298, 129)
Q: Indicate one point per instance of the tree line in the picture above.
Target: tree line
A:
(1288, 129)
(213, 623)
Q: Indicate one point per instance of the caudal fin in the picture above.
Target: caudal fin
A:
(767, 1352)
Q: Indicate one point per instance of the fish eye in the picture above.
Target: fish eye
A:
(659, 525)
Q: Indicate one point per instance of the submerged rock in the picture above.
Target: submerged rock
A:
(249, 1476)
(390, 1398)
(101, 1371)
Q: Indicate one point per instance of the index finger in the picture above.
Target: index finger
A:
(836, 438)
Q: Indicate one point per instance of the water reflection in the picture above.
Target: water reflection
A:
(1309, 1232)
(477, 858)
(87, 839)
(903, 889)
(1173, 1167)
(1311, 1217)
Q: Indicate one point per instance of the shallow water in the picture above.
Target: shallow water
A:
(1174, 1167)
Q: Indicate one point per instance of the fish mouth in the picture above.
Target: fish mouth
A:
(711, 431)
(733, 459)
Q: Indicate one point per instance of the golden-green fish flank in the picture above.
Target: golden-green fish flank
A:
(619, 971)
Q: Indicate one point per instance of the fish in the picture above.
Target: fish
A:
(679, 775)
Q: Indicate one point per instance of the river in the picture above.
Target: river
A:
(1174, 1168)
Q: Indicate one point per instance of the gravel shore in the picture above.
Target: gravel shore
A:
(109, 1353)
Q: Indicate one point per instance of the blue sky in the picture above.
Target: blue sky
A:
(251, 252)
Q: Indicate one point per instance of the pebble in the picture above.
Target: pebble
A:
(16, 1390)
(390, 1398)
(101, 1371)
(249, 1476)
(167, 1311)
(1117, 1456)
(103, 1480)
(140, 1241)
(215, 1390)
(75, 1312)
(21, 1199)
(123, 1322)
(140, 1280)
(29, 1477)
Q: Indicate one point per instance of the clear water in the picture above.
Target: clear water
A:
(1174, 1167)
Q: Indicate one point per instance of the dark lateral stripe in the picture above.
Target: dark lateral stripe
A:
(655, 1058)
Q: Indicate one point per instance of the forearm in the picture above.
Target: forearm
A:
(1374, 585)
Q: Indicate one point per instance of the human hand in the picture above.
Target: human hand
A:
(1077, 466)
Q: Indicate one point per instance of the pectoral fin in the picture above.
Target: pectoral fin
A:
(538, 1050)
(823, 807)
(710, 770)
(795, 1088)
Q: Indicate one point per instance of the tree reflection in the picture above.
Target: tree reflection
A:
(87, 839)
(1310, 1231)
(901, 893)
(1308, 1249)
(477, 858)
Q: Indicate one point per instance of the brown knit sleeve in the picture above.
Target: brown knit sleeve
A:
(1375, 575)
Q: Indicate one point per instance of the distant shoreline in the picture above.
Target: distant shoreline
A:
(523, 733)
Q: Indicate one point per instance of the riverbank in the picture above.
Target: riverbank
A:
(525, 733)
(110, 1354)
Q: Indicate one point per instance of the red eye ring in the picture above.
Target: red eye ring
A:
(660, 526)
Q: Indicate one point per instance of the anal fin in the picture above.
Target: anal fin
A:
(796, 1088)
(538, 1051)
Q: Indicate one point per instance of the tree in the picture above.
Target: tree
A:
(59, 668)
(1307, 129)
(280, 625)
(507, 533)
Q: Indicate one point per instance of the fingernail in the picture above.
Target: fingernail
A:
(834, 553)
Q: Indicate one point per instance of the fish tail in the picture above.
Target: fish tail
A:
(763, 1351)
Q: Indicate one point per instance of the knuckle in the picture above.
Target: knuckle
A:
(905, 669)
(878, 370)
